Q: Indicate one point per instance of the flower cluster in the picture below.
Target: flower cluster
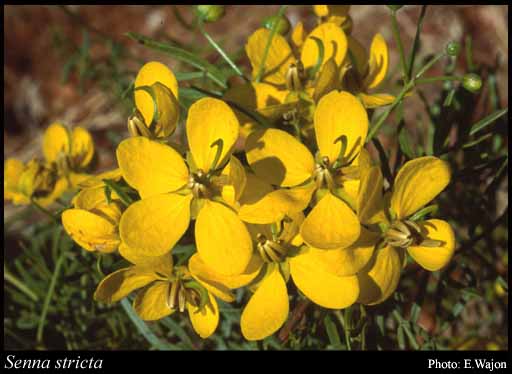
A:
(274, 187)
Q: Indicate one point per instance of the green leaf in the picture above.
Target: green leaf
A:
(405, 146)
(423, 212)
(115, 186)
(183, 55)
(483, 123)
(332, 332)
(415, 313)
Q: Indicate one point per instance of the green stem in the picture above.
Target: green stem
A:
(398, 41)
(221, 51)
(269, 42)
(437, 79)
(53, 282)
(19, 284)
(416, 42)
(401, 95)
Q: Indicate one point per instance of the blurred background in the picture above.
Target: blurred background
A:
(74, 64)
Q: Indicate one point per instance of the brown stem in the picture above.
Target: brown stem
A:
(294, 319)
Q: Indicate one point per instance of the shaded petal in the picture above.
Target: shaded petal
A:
(276, 204)
(321, 286)
(206, 320)
(278, 157)
(149, 74)
(267, 309)
(121, 283)
(337, 114)
(334, 41)
(154, 225)
(331, 224)
(210, 120)
(370, 201)
(376, 100)
(91, 231)
(350, 260)
(379, 58)
(417, 183)
(82, 147)
(435, 258)
(278, 59)
(327, 79)
(255, 189)
(222, 239)
(358, 54)
(151, 302)
(55, 140)
(151, 167)
(380, 277)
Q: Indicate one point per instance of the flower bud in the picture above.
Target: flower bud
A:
(210, 13)
(472, 82)
(394, 8)
(283, 24)
(453, 49)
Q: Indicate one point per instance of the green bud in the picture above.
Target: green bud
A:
(453, 49)
(394, 8)
(283, 25)
(210, 13)
(472, 82)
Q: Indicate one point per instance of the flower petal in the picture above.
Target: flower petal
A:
(122, 282)
(206, 320)
(276, 204)
(350, 260)
(298, 36)
(279, 158)
(321, 286)
(154, 225)
(209, 121)
(151, 167)
(222, 239)
(267, 309)
(218, 284)
(379, 58)
(331, 224)
(97, 180)
(417, 183)
(370, 201)
(380, 277)
(13, 168)
(435, 258)
(236, 181)
(151, 302)
(337, 114)
(82, 147)
(55, 140)
(278, 59)
(161, 264)
(149, 74)
(334, 41)
(91, 231)
(376, 100)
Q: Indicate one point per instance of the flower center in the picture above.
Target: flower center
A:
(405, 233)
(271, 250)
(200, 185)
(295, 76)
(179, 295)
(323, 174)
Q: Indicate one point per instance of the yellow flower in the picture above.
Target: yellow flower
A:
(341, 125)
(34, 180)
(93, 222)
(284, 70)
(171, 194)
(70, 152)
(164, 289)
(362, 74)
(337, 14)
(430, 243)
(156, 101)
